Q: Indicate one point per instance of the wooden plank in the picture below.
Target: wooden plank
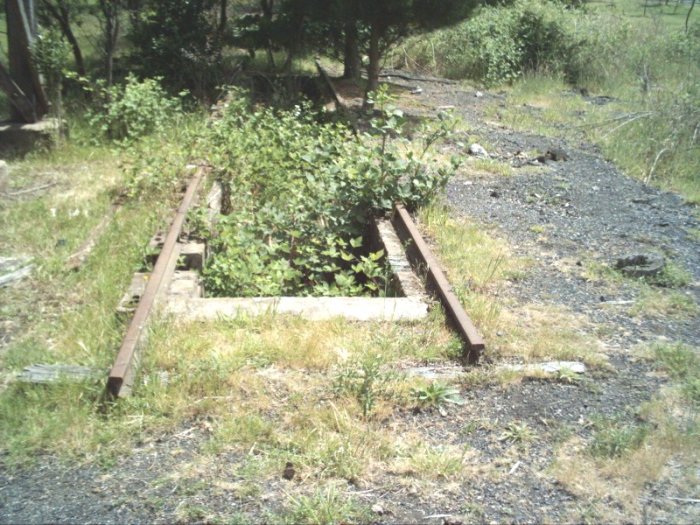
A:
(340, 102)
(421, 254)
(21, 27)
(41, 373)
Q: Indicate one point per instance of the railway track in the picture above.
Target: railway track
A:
(155, 293)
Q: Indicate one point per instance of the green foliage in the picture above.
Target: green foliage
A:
(499, 44)
(300, 196)
(155, 163)
(613, 439)
(366, 381)
(672, 276)
(179, 41)
(324, 507)
(679, 359)
(437, 394)
(138, 108)
(50, 53)
(517, 433)
(683, 365)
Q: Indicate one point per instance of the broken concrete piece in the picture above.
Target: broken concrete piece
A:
(19, 138)
(192, 256)
(130, 300)
(477, 150)
(185, 284)
(311, 308)
(433, 373)
(550, 367)
(384, 237)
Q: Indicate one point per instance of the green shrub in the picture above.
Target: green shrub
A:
(679, 359)
(179, 41)
(499, 44)
(437, 394)
(300, 197)
(137, 108)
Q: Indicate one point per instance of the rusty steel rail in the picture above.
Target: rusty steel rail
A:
(420, 255)
(121, 377)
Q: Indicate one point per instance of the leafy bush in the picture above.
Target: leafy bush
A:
(50, 54)
(135, 109)
(683, 365)
(499, 44)
(179, 41)
(300, 196)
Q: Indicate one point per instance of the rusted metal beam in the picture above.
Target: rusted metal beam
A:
(421, 255)
(121, 377)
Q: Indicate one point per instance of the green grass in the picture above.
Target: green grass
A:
(325, 506)
(58, 316)
(613, 438)
(682, 363)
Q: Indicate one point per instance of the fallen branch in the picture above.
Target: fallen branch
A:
(435, 80)
(29, 190)
(653, 166)
(17, 275)
(76, 260)
(629, 121)
(685, 500)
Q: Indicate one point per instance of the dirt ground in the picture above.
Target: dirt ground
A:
(562, 216)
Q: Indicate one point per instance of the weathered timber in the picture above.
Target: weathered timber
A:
(21, 103)
(53, 373)
(21, 31)
(340, 102)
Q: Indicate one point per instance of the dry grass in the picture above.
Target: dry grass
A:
(479, 266)
(616, 486)
(613, 470)
(538, 332)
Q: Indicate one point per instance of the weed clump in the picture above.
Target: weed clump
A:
(613, 439)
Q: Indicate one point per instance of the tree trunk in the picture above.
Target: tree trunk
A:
(21, 29)
(688, 17)
(61, 14)
(374, 57)
(110, 11)
(351, 58)
(223, 7)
